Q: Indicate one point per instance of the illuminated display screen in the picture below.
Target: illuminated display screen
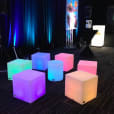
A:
(98, 38)
(71, 21)
(71, 14)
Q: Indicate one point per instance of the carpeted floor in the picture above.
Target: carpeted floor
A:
(54, 102)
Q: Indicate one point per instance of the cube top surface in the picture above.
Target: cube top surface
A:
(42, 54)
(29, 75)
(82, 76)
(19, 61)
(55, 62)
(64, 54)
(88, 63)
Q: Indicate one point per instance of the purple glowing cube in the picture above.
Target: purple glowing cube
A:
(29, 85)
(40, 61)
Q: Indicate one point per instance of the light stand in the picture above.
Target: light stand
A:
(15, 53)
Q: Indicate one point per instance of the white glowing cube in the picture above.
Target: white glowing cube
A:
(81, 86)
(98, 38)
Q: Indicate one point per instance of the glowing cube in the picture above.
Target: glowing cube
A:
(17, 66)
(40, 61)
(81, 86)
(55, 70)
(87, 66)
(68, 60)
(29, 85)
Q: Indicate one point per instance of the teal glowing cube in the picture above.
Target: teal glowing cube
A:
(17, 66)
(55, 70)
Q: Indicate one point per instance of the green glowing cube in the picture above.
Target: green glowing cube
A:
(17, 66)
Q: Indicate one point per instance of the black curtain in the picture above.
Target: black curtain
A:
(3, 22)
(60, 32)
(46, 9)
(54, 10)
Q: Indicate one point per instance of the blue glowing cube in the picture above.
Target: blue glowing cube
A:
(40, 61)
(55, 70)
(17, 66)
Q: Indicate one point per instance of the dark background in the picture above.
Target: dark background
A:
(96, 10)
(55, 102)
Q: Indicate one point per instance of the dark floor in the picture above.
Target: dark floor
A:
(54, 102)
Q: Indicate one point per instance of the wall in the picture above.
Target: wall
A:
(99, 17)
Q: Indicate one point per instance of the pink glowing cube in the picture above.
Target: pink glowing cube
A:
(81, 86)
(68, 60)
(87, 66)
(29, 85)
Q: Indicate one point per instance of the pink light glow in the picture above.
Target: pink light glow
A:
(87, 66)
(68, 60)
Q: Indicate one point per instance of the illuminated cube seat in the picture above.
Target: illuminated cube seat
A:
(68, 60)
(81, 86)
(40, 61)
(29, 85)
(17, 66)
(55, 70)
(87, 66)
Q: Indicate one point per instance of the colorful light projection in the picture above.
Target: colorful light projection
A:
(29, 85)
(81, 86)
(9, 39)
(30, 21)
(49, 20)
(55, 70)
(87, 66)
(14, 42)
(49, 31)
(71, 20)
(16, 23)
(17, 66)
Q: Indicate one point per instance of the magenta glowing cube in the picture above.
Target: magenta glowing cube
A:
(68, 60)
(40, 61)
(29, 85)
(87, 66)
